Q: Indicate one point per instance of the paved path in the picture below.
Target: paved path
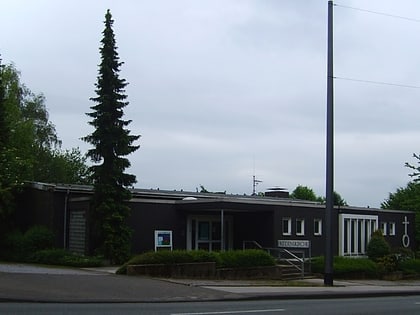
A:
(20, 282)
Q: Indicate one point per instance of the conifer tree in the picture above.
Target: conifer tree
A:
(4, 131)
(111, 143)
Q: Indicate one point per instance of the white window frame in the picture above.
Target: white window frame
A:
(288, 221)
(384, 228)
(359, 231)
(228, 222)
(300, 225)
(318, 226)
(391, 226)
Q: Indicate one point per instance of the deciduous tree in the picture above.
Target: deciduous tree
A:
(111, 142)
(304, 193)
(30, 149)
(406, 198)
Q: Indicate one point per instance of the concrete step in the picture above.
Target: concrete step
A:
(290, 272)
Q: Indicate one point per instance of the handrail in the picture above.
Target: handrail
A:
(252, 242)
(293, 260)
(293, 255)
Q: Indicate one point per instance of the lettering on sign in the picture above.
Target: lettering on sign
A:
(293, 243)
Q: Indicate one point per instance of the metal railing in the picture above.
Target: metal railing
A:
(295, 258)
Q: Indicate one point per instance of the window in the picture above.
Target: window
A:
(383, 228)
(355, 232)
(204, 231)
(287, 226)
(391, 228)
(300, 226)
(317, 227)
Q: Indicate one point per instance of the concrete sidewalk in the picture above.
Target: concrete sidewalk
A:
(20, 282)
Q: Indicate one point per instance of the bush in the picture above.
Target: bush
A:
(347, 267)
(38, 238)
(36, 246)
(245, 258)
(388, 263)
(410, 266)
(20, 247)
(169, 257)
(404, 253)
(13, 247)
(228, 259)
(172, 257)
(377, 246)
(63, 257)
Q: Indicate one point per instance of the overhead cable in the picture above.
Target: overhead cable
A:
(378, 82)
(379, 13)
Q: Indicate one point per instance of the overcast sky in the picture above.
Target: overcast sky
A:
(223, 89)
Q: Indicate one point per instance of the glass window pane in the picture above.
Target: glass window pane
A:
(216, 231)
(203, 230)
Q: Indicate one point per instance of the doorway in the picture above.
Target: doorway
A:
(205, 232)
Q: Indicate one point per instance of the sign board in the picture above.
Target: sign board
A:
(293, 243)
(163, 239)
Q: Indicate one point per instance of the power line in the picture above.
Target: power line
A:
(378, 82)
(379, 13)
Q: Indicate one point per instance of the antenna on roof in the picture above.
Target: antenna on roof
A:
(255, 182)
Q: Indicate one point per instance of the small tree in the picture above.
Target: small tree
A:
(111, 141)
(378, 246)
(304, 193)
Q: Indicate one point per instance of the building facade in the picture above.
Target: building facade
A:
(190, 220)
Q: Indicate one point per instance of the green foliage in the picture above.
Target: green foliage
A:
(407, 198)
(387, 263)
(36, 246)
(416, 169)
(410, 266)
(304, 193)
(111, 143)
(169, 257)
(13, 246)
(38, 238)
(245, 258)
(378, 246)
(30, 149)
(347, 267)
(63, 257)
(19, 247)
(227, 259)
(307, 193)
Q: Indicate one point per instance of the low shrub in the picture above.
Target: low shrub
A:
(378, 246)
(404, 253)
(410, 266)
(344, 267)
(37, 238)
(245, 258)
(388, 263)
(169, 257)
(13, 247)
(227, 259)
(63, 257)
(20, 247)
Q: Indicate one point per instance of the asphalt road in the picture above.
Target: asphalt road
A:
(387, 305)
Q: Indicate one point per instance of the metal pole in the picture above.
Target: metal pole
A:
(328, 275)
(222, 232)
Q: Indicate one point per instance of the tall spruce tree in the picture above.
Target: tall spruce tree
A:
(4, 129)
(111, 143)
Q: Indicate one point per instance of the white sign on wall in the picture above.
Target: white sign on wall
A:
(163, 239)
(293, 243)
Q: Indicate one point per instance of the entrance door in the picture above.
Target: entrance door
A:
(205, 232)
(77, 231)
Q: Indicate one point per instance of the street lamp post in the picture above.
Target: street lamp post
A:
(328, 272)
